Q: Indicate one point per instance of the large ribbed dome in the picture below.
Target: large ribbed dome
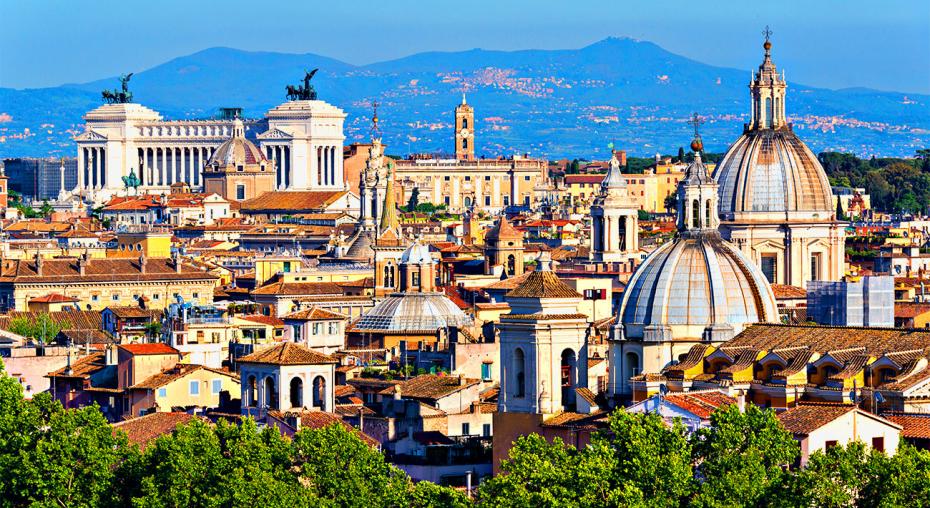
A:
(695, 282)
(413, 312)
(771, 170)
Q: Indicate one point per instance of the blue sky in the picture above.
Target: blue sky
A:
(831, 43)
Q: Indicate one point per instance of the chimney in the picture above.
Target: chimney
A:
(38, 263)
(142, 263)
(177, 262)
(741, 401)
(110, 355)
(397, 392)
(462, 381)
(82, 263)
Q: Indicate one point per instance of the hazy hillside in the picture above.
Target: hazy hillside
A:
(547, 102)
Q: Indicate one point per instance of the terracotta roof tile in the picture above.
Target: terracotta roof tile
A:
(263, 319)
(319, 420)
(157, 348)
(701, 404)
(145, 429)
(83, 367)
(98, 270)
(915, 426)
(804, 419)
(788, 292)
(291, 201)
(288, 353)
(833, 339)
(429, 386)
(910, 310)
(543, 284)
(315, 314)
(54, 298)
(299, 289)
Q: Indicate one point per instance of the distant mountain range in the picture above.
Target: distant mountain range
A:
(553, 103)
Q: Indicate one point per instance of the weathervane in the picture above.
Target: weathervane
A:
(767, 33)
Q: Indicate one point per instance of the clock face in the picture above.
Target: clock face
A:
(464, 133)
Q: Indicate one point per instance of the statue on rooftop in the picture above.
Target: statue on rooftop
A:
(303, 92)
(121, 95)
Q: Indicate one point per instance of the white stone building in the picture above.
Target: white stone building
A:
(304, 138)
(614, 219)
(286, 377)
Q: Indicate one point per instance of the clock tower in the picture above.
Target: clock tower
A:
(464, 131)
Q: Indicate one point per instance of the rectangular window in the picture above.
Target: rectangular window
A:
(316, 328)
(815, 266)
(194, 389)
(196, 296)
(878, 444)
(526, 178)
(487, 178)
(486, 371)
(446, 199)
(487, 201)
(829, 444)
(115, 298)
(486, 430)
(446, 178)
(467, 178)
(162, 392)
(240, 192)
(466, 429)
(769, 267)
(217, 386)
(94, 298)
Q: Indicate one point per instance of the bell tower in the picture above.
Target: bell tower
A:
(464, 131)
(614, 219)
(697, 192)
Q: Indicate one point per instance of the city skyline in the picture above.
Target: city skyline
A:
(830, 47)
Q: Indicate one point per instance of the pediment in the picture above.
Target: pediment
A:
(274, 134)
(90, 135)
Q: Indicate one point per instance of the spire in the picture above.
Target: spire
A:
(614, 178)
(389, 211)
(463, 98)
(375, 130)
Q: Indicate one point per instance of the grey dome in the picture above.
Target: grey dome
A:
(695, 282)
(413, 312)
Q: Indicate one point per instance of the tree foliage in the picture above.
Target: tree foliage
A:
(894, 185)
(41, 327)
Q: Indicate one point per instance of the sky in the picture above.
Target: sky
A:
(827, 43)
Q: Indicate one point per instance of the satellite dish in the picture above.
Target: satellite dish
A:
(879, 398)
(852, 396)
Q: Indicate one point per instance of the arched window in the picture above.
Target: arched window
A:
(696, 214)
(297, 392)
(621, 233)
(768, 113)
(319, 393)
(465, 123)
(467, 202)
(511, 265)
(569, 378)
(271, 395)
(465, 143)
(389, 276)
(631, 366)
(519, 369)
(252, 395)
(707, 213)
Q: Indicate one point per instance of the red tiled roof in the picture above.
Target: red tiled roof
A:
(299, 289)
(910, 310)
(53, 298)
(145, 429)
(315, 314)
(302, 201)
(319, 420)
(288, 353)
(700, 404)
(784, 291)
(97, 270)
(543, 284)
(573, 179)
(265, 320)
(914, 426)
(806, 418)
(157, 348)
(429, 386)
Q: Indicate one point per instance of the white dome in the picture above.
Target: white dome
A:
(696, 282)
(416, 254)
(413, 312)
